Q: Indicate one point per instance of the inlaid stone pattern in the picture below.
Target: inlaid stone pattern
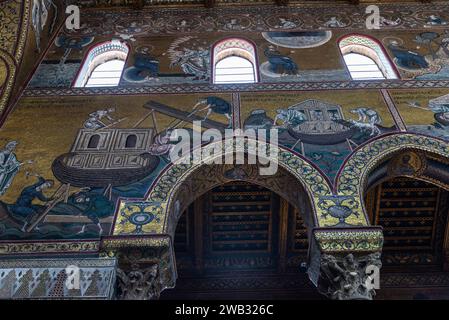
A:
(57, 279)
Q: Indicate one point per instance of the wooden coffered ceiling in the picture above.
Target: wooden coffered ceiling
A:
(140, 4)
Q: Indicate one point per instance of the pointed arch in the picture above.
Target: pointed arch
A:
(353, 176)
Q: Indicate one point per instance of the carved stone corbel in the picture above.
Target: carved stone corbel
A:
(345, 262)
(349, 277)
(146, 265)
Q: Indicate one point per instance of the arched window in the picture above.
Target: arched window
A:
(362, 67)
(366, 59)
(93, 141)
(131, 141)
(103, 65)
(234, 62)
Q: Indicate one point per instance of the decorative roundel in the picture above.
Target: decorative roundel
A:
(392, 40)
(234, 23)
(333, 21)
(95, 28)
(141, 218)
(283, 22)
(184, 25)
(390, 19)
(432, 18)
(133, 27)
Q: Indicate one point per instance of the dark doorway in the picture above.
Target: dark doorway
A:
(241, 241)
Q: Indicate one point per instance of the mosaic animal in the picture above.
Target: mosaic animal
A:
(280, 63)
(147, 63)
(367, 115)
(72, 43)
(406, 58)
(290, 117)
(365, 126)
(334, 22)
(367, 121)
(434, 20)
(215, 105)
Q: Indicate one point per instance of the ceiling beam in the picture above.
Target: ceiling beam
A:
(138, 4)
(209, 3)
(282, 2)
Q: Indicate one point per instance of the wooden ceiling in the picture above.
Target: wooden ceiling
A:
(140, 4)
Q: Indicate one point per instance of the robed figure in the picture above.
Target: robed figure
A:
(9, 166)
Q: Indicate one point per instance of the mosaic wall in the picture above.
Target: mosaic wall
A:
(77, 167)
(176, 49)
(26, 30)
(69, 167)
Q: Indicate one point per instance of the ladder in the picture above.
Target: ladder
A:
(60, 194)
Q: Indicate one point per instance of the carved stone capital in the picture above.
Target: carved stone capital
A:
(139, 283)
(146, 265)
(349, 277)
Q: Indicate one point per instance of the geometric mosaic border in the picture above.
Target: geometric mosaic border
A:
(255, 87)
(10, 248)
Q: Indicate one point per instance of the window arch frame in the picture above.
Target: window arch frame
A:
(95, 57)
(252, 52)
(375, 51)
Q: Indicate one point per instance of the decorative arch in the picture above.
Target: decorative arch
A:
(371, 48)
(161, 201)
(101, 54)
(7, 83)
(14, 35)
(234, 47)
(411, 163)
(353, 176)
(282, 183)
